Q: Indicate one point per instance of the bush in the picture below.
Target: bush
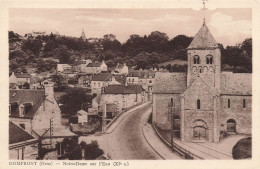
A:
(243, 149)
(74, 150)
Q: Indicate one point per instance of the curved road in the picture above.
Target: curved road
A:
(126, 141)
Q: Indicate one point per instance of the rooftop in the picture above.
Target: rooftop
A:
(102, 77)
(17, 134)
(36, 97)
(123, 89)
(203, 39)
(22, 75)
(236, 83)
(170, 82)
(94, 64)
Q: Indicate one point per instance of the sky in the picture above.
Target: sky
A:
(228, 26)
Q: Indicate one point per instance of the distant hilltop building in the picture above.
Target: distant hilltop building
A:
(34, 34)
(83, 36)
(203, 103)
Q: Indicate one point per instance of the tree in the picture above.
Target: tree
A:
(74, 100)
(247, 47)
(180, 40)
(74, 150)
(33, 45)
(63, 54)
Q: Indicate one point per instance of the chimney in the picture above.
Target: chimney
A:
(49, 89)
(21, 110)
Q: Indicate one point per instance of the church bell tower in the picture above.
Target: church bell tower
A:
(204, 58)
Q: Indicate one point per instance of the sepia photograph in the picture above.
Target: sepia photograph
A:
(130, 83)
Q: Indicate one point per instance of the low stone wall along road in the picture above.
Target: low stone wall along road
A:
(127, 140)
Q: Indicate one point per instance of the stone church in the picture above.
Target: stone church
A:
(205, 102)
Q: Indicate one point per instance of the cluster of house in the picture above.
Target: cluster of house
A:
(34, 111)
(34, 122)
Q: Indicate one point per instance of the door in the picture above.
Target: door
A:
(231, 126)
(199, 133)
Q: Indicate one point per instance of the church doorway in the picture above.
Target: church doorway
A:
(231, 126)
(199, 130)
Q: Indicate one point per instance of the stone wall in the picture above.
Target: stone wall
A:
(48, 110)
(198, 90)
(242, 116)
(30, 153)
(123, 101)
(191, 116)
(161, 118)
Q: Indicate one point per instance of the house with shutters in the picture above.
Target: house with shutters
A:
(104, 79)
(96, 67)
(122, 95)
(19, 77)
(205, 102)
(121, 69)
(37, 112)
(22, 145)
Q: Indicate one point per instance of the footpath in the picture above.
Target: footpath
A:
(205, 150)
(157, 145)
(117, 120)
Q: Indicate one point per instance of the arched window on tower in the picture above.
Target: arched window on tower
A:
(209, 59)
(196, 59)
(198, 104)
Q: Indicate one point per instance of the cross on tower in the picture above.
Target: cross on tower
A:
(204, 9)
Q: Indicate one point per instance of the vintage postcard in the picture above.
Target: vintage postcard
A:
(130, 84)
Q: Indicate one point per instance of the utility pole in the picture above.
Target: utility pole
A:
(104, 117)
(172, 111)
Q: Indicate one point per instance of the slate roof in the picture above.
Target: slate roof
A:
(102, 77)
(203, 39)
(22, 75)
(17, 134)
(26, 96)
(236, 83)
(137, 73)
(34, 80)
(123, 89)
(94, 64)
(146, 74)
(170, 82)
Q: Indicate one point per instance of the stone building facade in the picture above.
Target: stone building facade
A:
(204, 102)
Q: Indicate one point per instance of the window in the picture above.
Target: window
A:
(198, 104)
(244, 103)
(98, 84)
(228, 103)
(196, 59)
(20, 153)
(209, 59)
(94, 84)
(22, 126)
(171, 102)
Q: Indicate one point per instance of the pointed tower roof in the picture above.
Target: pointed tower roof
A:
(83, 37)
(203, 39)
